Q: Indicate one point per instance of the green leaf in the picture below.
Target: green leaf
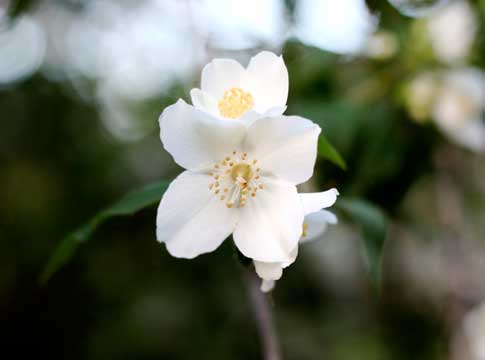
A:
(373, 223)
(129, 204)
(327, 151)
(18, 7)
(137, 200)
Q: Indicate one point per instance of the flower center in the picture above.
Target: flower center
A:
(235, 102)
(242, 171)
(234, 178)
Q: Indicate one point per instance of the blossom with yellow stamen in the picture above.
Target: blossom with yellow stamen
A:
(240, 179)
(230, 91)
(314, 225)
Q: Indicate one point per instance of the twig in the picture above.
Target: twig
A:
(450, 215)
(263, 316)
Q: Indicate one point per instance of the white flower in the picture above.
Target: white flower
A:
(452, 31)
(240, 25)
(382, 45)
(454, 100)
(240, 179)
(459, 106)
(18, 61)
(314, 225)
(420, 94)
(230, 91)
(475, 331)
(342, 27)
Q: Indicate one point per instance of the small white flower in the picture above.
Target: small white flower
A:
(459, 106)
(454, 99)
(382, 45)
(342, 27)
(452, 31)
(475, 331)
(420, 94)
(240, 179)
(314, 225)
(230, 91)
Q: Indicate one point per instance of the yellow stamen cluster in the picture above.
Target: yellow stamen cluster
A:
(235, 178)
(235, 102)
(304, 231)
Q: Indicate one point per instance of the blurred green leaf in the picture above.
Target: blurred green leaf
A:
(18, 7)
(326, 150)
(340, 120)
(129, 204)
(137, 200)
(373, 223)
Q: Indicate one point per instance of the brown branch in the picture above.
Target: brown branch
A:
(263, 316)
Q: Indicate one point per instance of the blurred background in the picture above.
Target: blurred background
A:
(398, 88)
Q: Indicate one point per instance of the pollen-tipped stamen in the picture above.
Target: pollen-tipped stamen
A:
(235, 177)
(235, 102)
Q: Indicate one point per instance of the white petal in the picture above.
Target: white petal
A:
(249, 117)
(196, 139)
(285, 146)
(204, 101)
(268, 270)
(267, 81)
(317, 224)
(275, 111)
(267, 285)
(328, 216)
(293, 255)
(220, 75)
(270, 223)
(316, 201)
(190, 219)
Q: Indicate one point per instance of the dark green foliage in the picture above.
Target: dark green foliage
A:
(129, 204)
